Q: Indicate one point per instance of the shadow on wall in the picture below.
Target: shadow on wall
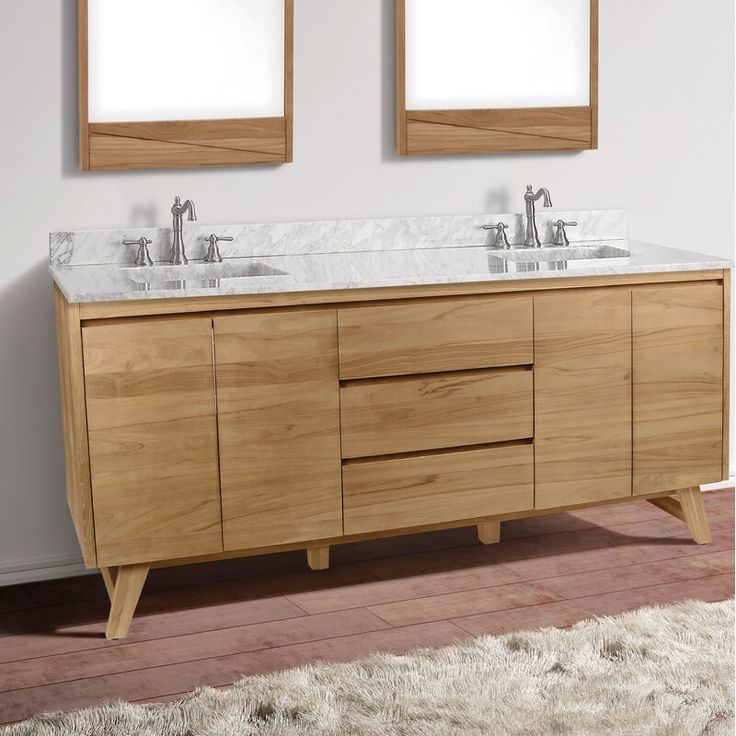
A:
(69, 91)
(31, 447)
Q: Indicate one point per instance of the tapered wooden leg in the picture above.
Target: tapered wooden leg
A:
(318, 558)
(489, 532)
(109, 575)
(129, 582)
(691, 501)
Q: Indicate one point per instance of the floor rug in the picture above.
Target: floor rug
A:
(662, 671)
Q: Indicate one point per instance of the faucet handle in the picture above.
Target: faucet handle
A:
(501, 240)
(143, 257)
(213, 252)
(560, 234)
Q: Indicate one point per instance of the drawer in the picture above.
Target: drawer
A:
(433, 489)
(393, 415)
(432, 337)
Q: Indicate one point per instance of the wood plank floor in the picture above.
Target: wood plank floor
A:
(210, 624)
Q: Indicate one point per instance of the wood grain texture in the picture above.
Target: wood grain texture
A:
(726, 405)
(152, 439)
(398, 531)
(426, 489)
(678, 387)
(118, 151)
(278, 418)
(129, 581)
(693, 508)
(401, 77)
(489, 532)
(671, 505)
(403, 294)
(288, 81)
(467, 131)
(594, 53)
(109, 576)
(318, 558)
(412, 413)
(74, 424)
(433, 337)
(484, 131)
(184, 143)
(83, 82)
(582, 397)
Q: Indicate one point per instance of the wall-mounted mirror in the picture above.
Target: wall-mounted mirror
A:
(485, 76)
(180, 83)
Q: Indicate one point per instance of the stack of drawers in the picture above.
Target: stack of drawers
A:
(437, 412)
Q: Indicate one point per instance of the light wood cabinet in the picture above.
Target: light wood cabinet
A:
(582, 373)
(278, 417)
(678, 387)
(303, 424)
(152, 439)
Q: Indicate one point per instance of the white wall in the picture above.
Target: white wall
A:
(666, 155)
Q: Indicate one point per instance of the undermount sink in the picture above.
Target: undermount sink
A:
(562, 253)
(199, 275)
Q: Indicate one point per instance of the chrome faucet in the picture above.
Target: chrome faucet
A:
(532, 234)
(178, 253)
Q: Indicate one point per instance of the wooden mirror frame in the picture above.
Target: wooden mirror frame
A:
(184, 143)
(441, 132)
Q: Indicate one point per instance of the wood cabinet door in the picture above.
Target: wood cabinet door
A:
(152, 439)
(582, 374)
(278, 414)
(678, 386)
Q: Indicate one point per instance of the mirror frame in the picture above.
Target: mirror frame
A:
(459, 131)
(184, 143)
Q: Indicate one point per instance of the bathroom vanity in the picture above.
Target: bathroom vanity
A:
(330, 382)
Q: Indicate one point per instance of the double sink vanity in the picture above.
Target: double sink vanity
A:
(333, 381)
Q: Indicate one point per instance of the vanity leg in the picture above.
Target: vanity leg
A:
(693, 508)
(129, 582)
(489, 532)
(109, 575)
(318, 558)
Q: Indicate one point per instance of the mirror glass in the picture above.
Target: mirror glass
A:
(492, 54)
(152, 60)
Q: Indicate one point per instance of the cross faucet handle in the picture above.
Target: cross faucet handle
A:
(560, 234)
(501, 240)
(143, 257)
(213, 252)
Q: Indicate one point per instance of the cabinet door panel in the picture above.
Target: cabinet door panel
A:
(582, 374)
(152, 439)
(678, 386)
(278, 414)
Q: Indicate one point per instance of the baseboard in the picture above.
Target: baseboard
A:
(42, 568)
(69, 566)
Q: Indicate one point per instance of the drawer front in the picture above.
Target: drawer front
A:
(434, 337)
(433, 489)
(417, 413)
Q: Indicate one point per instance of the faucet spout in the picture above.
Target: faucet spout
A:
(532, 234)
(178, 253)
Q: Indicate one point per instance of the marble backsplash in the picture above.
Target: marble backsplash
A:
(86, 247)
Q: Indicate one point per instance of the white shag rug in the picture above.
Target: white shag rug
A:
(653, 672)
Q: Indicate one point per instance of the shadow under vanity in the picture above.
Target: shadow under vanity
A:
(334, 381)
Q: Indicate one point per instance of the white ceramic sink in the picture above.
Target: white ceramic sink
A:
(561, 253)
(198, 275)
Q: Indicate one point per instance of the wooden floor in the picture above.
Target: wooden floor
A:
(210, 624)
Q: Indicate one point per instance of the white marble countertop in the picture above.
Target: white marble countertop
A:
(359, 269)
